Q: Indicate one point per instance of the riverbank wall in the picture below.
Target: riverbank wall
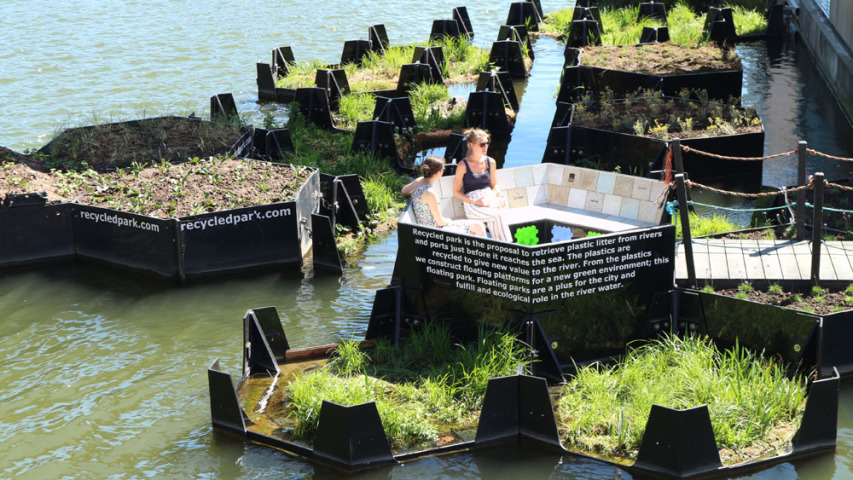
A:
(828, 35)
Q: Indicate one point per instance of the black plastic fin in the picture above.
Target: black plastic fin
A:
(325, 250)
(258, 356)
(678, 443)
(351, 437)
(225, 410)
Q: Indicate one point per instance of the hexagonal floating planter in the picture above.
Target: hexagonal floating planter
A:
(151, 228)
(787, 333)
(665, 68)
(257, 238)
(513, 408)
(631, 135)
(573, 302)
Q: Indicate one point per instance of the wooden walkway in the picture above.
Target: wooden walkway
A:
(767, 260)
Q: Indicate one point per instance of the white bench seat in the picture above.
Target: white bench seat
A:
(587, 220)
(588, 199)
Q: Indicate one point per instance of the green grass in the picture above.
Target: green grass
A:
(605, 409)
(380, 191)
(619, 20)
(381, 71)
(354, 108)
(749, 21)
(300, 74)
(462, 57)
(775, 289)
(428, 116)
(685, 26)
(702, 225)
(435, 383)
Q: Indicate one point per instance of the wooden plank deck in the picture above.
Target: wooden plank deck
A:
(764, 260)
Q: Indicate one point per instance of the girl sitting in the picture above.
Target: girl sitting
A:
(425, 201)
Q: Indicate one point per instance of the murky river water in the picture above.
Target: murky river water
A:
(104, 376)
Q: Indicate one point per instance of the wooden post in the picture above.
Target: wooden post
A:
(817, 228)
(683, 212)
(677, 161)
(800, 213)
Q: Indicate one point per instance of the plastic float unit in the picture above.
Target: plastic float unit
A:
(259, 238)
(518, 408)
(573, 301)
(571, 142)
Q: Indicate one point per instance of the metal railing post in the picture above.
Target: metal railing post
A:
(683, 212)
(817, 228)
(677, 161)
(800, 213)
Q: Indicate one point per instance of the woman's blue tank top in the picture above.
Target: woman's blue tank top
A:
(473, 181)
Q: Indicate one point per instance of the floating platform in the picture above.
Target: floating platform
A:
(574, 302)
(515, 409)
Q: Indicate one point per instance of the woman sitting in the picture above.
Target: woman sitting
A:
(476, 185)
(425, 201)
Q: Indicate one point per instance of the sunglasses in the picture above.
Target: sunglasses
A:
(484, 144)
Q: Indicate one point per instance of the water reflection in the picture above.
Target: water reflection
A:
(782, 83)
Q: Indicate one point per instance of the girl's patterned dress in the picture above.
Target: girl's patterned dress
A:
(424, 217)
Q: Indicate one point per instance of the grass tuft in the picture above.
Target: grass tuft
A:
(436, 383)
(605, 409)
(702, 225)
(686, 25)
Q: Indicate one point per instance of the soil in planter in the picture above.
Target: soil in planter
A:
(645, 113)
(820, 301)
(165, 190)
(661, 59)
(109, 146)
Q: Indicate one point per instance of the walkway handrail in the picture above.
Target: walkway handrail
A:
(687, 149)
(817, 182)
(826, 155)
(691, 183)
(810, 151)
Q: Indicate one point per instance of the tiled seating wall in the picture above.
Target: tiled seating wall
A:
(627, 196)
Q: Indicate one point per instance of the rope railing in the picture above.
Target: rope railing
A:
(687, 149)
(720, 191)
(846, 188)
(731, 209)
(813, 152)
(797, 204)
(810, 151)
